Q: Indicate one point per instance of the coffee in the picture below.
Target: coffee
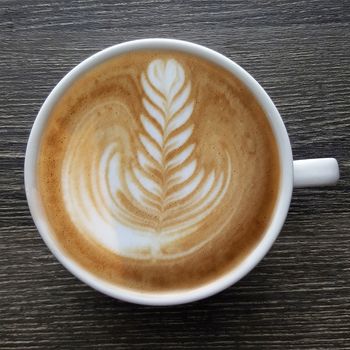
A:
(158, 171)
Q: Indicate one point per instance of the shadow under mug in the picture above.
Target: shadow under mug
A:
(301, 173)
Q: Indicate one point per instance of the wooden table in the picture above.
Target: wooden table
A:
(299, 295)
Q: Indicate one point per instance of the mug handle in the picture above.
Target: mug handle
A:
(315, 172)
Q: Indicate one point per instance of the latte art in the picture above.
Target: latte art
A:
(158, 171)
(165, 194)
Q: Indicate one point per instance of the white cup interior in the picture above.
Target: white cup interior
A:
(176, 297)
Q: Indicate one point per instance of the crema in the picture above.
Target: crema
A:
(158, 170)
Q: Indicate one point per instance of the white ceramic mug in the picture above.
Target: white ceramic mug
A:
(302, 173)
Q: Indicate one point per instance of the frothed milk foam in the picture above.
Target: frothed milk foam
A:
(158, 170)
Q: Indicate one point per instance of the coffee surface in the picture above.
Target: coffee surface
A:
(158, 170)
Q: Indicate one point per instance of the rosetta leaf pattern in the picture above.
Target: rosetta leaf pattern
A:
(171, 184)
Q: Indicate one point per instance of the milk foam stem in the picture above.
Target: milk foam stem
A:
(167, 105)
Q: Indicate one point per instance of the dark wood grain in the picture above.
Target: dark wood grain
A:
(299, 296)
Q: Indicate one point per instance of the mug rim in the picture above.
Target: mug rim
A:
(177, 296)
